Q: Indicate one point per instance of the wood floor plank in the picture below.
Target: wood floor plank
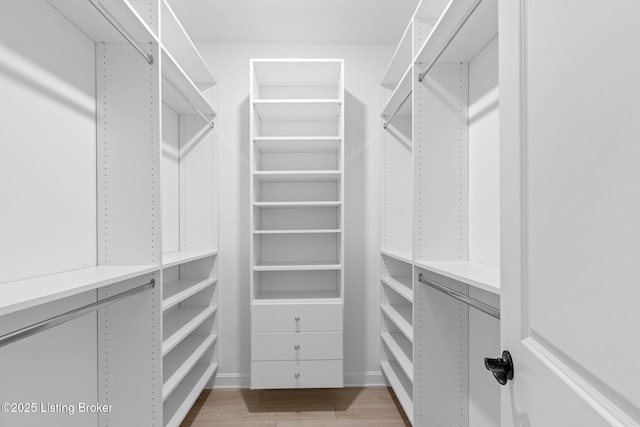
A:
(342, 423)
(349, 394)
(230, 396)
(368, 410)
(262, 412)
(244, 423)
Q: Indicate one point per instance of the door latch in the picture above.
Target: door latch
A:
(502, 369)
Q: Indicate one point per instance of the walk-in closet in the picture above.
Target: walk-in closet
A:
(329, 213)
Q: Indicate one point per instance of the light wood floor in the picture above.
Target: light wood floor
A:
(348, 407)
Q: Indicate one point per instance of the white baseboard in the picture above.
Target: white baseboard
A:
(363, 379)
(351, 379)
(232, 380)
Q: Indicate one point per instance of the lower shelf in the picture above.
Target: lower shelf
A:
(271, 297)
(177, 406)
(394, 343)
(180, 322)
(178, 362)
(399, 388)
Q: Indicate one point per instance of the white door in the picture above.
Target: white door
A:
(570, 164)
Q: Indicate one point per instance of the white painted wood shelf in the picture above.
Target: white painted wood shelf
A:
(314, 204)
(400, 315)
(178, 362)
(172, 73)
(390, 369)
(401, 59)
(392, 341)
(400, 99)
(298, 266)
(182, 257)
(298, 176)
(312, 296)
(179, 403)
(181, 322)
(298, 109)
(297, 144)
(402, 285)
(404, 256)
(302, 231)
(481, 276)
(176, 291)
(22, 294)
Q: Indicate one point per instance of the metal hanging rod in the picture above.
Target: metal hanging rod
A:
(187, 100)
(119, 28)
(449, 40)
(70, 315)
(491, 311)
(396, 110)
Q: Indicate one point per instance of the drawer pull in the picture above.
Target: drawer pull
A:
(297, 375)
(297, 318)
(297, 347)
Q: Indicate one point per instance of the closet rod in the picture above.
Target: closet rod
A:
(187, 100)
(397, 109)
(449, 40)
(119, 28)
(70, 315)
(461, 297)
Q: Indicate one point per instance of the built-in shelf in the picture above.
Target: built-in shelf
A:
(401, 285)
(465, 28)
(298, 109)
(400, 60)
(298, 176)
(314, 296)
(176, 258)
(180, 322)
(393, 343)
(174, 75)
(482, 276)
(400, 314)
(297, 266)
(389, 370)
(178, 290)
(316, 231)
(87, 18)
(22, 294)
(177, 406)
(179, 44)
(178, 362)
(329, 204)
(404, 256)
(298, 144)
(400, 99)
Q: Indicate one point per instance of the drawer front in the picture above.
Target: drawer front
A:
(296, 318)
(296, 346)
(296, 374)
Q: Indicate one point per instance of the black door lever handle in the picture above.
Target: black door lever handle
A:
(502, 369)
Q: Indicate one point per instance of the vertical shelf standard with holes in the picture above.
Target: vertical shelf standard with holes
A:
(190, 222)
(297, 222)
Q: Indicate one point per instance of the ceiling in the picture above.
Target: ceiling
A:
(295, 21)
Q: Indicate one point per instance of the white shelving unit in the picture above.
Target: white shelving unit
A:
(297, 217)
(124, 150)
(440, 204)
(190, 229)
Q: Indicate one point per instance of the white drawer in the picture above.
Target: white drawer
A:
(296, 318)
(296, 345)
(296, 374)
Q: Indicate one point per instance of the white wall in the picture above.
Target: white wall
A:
(364, 66)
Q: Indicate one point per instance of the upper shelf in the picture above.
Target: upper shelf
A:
(400, 61)
(23, 294)
(298, 176)
(302, 144)
(298, 109)
(174, 75)
(176, 258)
(176, 40)
(91, 22)
(297, 72)
(400, 99)
(480, 276)
(463, 30)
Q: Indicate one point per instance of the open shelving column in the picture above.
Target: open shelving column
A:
(297, 220)
(190, 222)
